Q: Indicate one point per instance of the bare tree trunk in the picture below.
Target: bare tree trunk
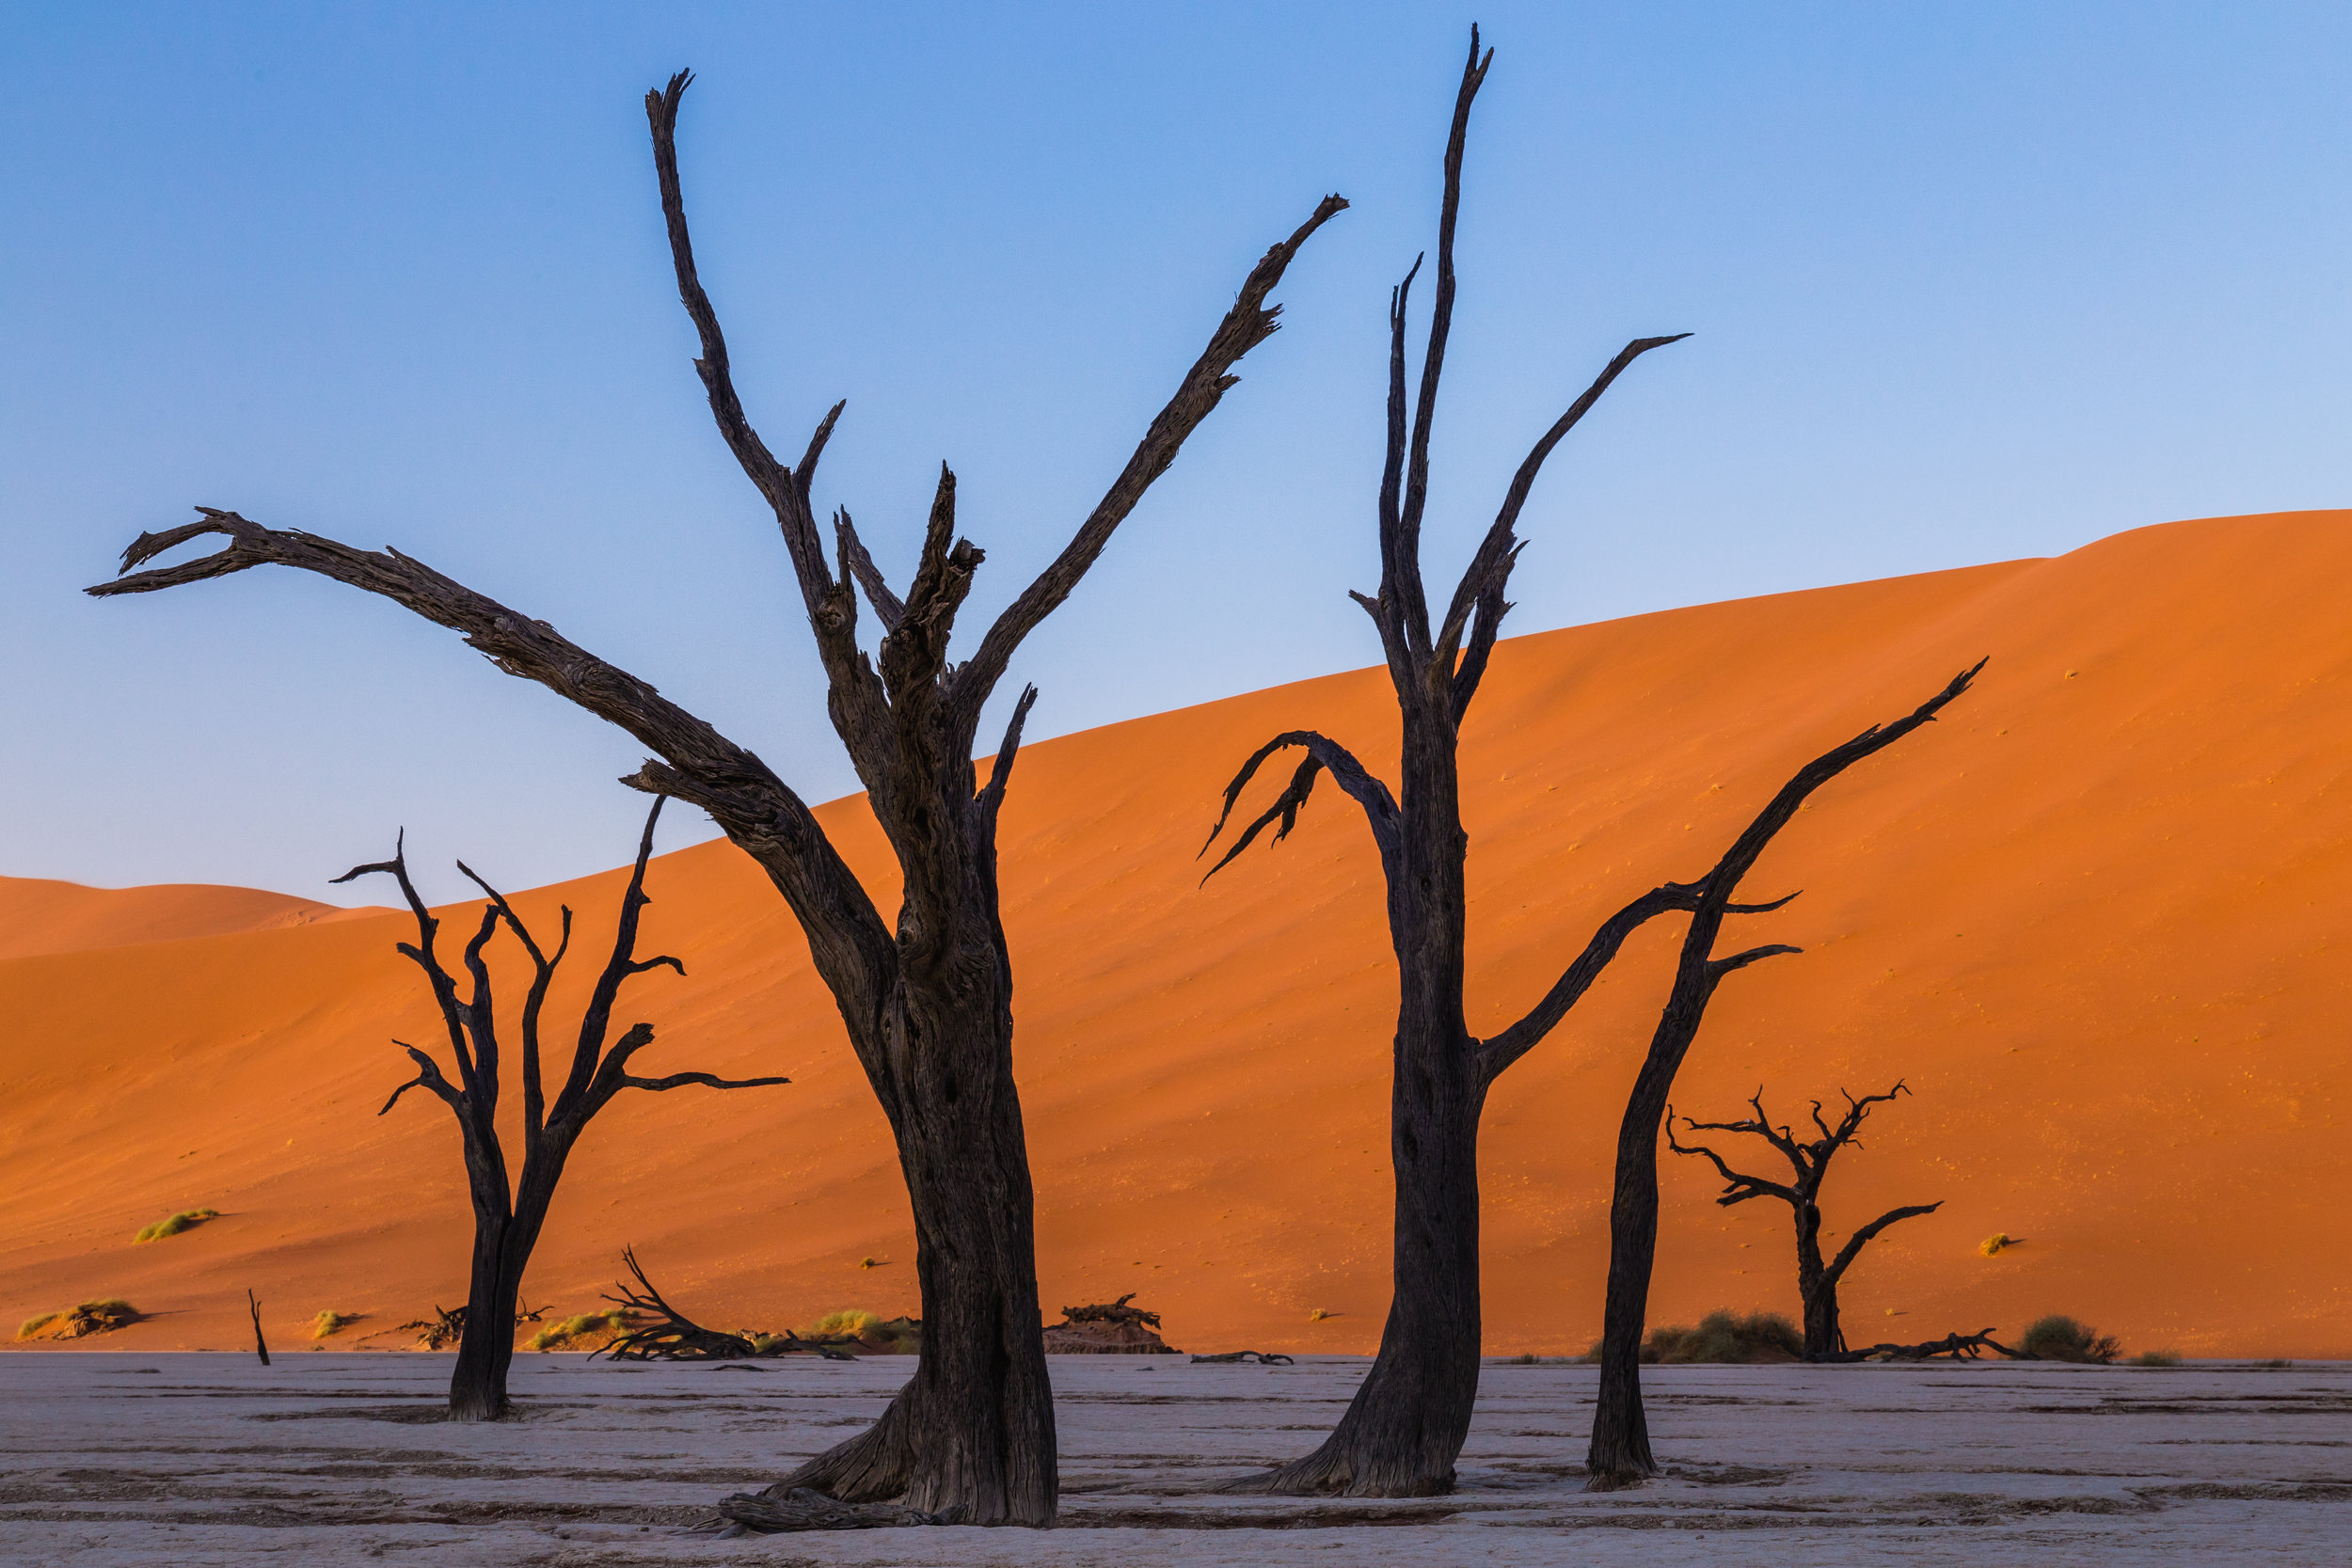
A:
(477, 1385)
(260, 1346)
(928, 1007)
(1409, 1419)
(971, 1435)
(1620, 1452)
(1817, 1290)
(1404, 1427)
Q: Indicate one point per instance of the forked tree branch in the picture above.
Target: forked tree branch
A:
(1361, 786)
(855, 562)
(1481, 589)
(1249, 322)
(1499, 1051)
(1854, 1244)
(759, 811)
(1401, 588)
(1737, 1187)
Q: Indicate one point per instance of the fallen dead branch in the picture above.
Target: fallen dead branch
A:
(1264, 1358)
(1958, 1346)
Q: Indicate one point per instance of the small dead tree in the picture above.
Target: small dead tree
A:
(927, 1000)
(1620, 1452)
(507, 1220)
(260, 1346)
(1817, 1282)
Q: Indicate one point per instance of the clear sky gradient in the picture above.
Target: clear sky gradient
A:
(1967, 283)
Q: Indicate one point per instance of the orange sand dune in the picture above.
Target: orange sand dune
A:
(2097, 918)
(38, 917)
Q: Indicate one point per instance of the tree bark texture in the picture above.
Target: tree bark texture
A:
(507, 1221)
(1809, 1159)
(925, 1002)
(1620, 1453)
(1404, 1427)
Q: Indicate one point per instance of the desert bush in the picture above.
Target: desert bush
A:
(587, 1325)
(2280, 1364)
(899, 1335)
(329, 1322)
(172, 1225)
(1726, 1338)
(103, 1316)
(850, 1320)
(2060, 1337)
(1997, 1243)
(2158, 1358)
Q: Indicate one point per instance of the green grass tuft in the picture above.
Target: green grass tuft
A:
(172, 1225)
(2060, 1337)
(329, 1322)
(851, 1320)
(31, 1326)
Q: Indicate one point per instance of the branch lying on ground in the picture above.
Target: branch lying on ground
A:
(1968, 1346)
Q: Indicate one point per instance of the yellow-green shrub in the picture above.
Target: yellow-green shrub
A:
(172, 1225)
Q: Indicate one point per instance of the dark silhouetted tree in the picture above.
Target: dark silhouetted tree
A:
(927, 1000)
(507, 1220)
(1620, 1452)
(1405, 1426)
(1808, 1159)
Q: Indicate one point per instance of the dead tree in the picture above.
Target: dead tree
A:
(507, 1219)
(928, 1005)
(1405, 1426)
(260, 1346)
(1620, 1452)
(1817, 1282)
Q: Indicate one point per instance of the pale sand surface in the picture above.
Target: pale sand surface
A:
(332, 1458)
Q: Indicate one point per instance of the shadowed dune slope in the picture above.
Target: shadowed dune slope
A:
(2097, 918)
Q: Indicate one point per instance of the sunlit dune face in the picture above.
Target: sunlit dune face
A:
(2097, 916)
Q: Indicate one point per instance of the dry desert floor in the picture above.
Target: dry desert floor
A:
(192, 1458)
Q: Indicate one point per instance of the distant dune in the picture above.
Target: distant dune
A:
(2100, 918)
(38, 917)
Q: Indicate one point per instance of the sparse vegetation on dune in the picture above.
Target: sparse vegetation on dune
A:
(2060, 1337)
(172, 1225)
(103, 1316)
(331, 1321)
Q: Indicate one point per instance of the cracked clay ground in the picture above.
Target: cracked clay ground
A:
(195, 1459)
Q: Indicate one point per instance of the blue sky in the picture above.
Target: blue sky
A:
(1966, 283)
